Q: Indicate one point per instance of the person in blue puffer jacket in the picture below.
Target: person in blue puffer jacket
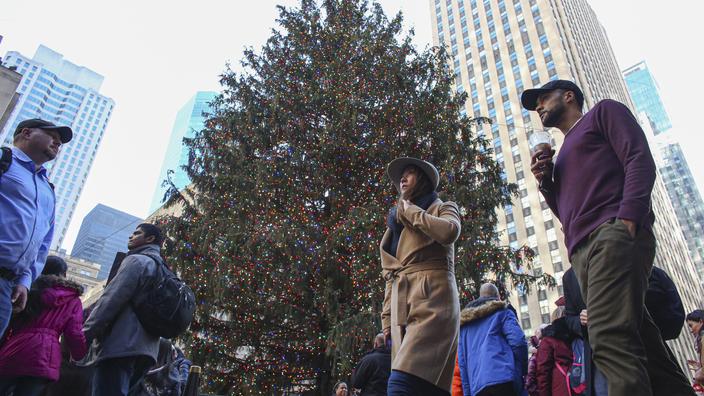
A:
(492, 355)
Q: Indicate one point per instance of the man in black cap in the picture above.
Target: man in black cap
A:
(599, 187)
(27, 210)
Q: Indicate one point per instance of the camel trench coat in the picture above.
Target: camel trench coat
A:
(421, 304)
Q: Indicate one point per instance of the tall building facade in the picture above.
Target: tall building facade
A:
(9, 81)
(189, 120)
(646, 96)
(498, 49)
(104, 232)
(59, 91)
(679, 182)
(81, 271)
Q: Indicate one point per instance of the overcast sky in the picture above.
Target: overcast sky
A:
(156, 54)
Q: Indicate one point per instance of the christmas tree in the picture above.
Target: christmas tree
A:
(278, 234)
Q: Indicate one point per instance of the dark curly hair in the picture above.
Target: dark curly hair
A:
(55, 265)
(152, 230)
(696, 316)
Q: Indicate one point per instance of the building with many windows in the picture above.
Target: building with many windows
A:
(189, 120)
(104, 232)
(498, 49)
(646, 96)
(9, 81)
(679, 182)
(59, 91)
(81, 271)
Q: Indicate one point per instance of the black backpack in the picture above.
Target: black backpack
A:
(664, 304)
(165, 305)
(5, 160)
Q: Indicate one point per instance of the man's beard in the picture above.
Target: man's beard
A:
(554, 116)
(50, 155)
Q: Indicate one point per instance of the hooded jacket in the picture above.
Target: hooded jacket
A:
(554, 359)
(32, 348)
(492, 348)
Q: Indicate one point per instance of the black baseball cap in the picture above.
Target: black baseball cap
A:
(529, 97)
(65, 132)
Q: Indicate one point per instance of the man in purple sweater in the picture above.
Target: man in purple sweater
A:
(599, 187)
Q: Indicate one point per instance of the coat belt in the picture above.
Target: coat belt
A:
(399, 287)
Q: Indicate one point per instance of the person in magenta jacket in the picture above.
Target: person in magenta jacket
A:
(30, 356)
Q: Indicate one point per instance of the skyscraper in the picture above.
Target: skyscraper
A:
(104, 232)
(646, 96)
(498, 49)
(678, 179)
(82, 271)
(59, 91)
(189, 120)
(9, 81)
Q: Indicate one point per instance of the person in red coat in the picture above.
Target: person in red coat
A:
(30, 356)
(554, 357)
(531, 379)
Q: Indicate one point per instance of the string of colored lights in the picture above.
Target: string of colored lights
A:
(279, 238)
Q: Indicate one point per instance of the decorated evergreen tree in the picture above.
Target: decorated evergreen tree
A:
(278, 234)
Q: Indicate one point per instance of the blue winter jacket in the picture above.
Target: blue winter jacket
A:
(492, 348)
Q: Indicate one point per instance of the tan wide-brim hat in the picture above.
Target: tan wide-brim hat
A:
(396, 167)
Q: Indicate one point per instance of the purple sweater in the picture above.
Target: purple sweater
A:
(604, 170)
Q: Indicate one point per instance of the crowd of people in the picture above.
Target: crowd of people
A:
(494, 357)
(606, 336)
(608, 331)
(50, 344)
(53, 346)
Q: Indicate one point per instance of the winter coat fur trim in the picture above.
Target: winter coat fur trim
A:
(53, 280)
(473, 313)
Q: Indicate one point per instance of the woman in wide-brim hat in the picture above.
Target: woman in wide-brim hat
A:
(421, 304)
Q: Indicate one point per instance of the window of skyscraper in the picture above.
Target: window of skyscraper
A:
(523, 299)
(525, 324)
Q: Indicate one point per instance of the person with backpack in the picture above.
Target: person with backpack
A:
(122, 350)
(663, 302)
(30, 357)
(554, 358)
(27, 204)
(168, 377)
